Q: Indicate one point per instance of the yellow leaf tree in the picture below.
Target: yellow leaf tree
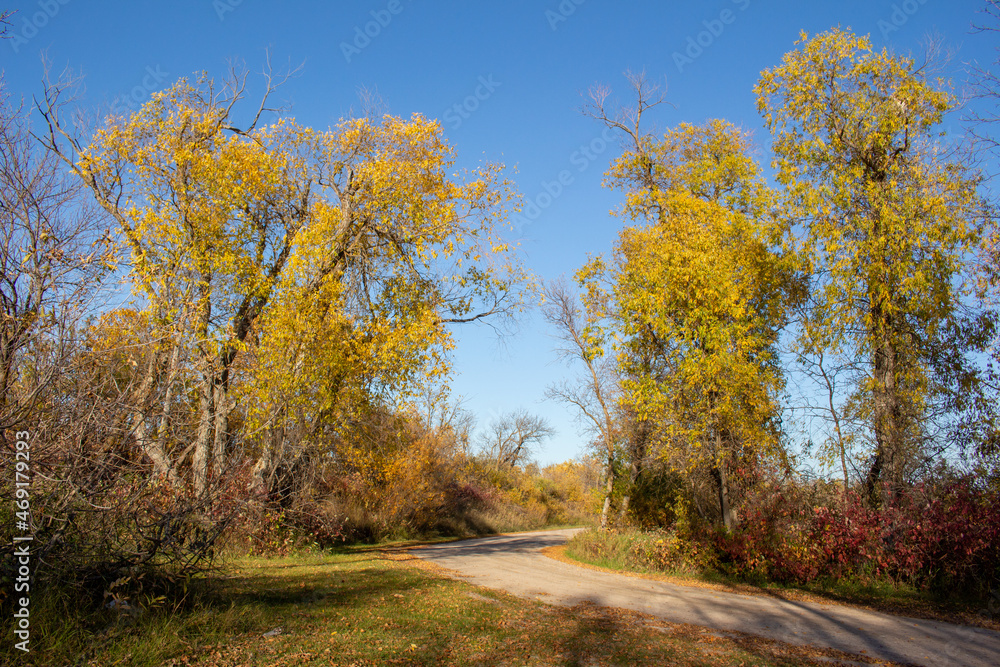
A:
(699, 290)
(889, 216)
(338, 255)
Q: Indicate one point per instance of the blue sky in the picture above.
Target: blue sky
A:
(506, 79)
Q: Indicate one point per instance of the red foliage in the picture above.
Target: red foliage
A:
(944, 535)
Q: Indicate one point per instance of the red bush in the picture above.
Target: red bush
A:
(943, 535)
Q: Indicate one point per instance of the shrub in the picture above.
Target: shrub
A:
(937, 535)
(942, 535)
(650, 551)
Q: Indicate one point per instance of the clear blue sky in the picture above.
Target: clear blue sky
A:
(529, 62)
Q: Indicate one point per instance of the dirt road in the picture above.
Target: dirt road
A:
(513, 563)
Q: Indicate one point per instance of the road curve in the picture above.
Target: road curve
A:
(512, 563)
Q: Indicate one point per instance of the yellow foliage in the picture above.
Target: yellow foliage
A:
(890, 217)
(699, 294)
(309, 272)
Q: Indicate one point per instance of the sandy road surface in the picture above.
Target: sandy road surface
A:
(513, 563)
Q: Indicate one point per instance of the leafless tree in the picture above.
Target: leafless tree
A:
(447, 416)
(52, 258)
(510, 438)
(986, 82)
(627, 119)
(92, 515)
(593, 393)
(824, 372)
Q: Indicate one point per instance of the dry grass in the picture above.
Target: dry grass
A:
(374, 606)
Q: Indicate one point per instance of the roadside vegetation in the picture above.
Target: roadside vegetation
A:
(371, 606)
(832, 548)
(227, 337)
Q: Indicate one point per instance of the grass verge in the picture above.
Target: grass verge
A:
(379, 606)
(622, 552)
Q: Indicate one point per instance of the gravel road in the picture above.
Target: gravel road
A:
(512, 563)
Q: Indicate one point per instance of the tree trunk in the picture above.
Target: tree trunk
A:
(147, 443)
(835, 415)
(262, 469)
(608, 489)
(722, 479)
(168, 397)
(220, 397)
(638, 445)
(885, 477)
(635, 468)
(728, 515)
(200, 462)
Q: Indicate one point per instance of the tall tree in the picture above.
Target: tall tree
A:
(889, 217)
(266, 236)
(700, 292)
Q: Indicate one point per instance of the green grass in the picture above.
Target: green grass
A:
(373, 606)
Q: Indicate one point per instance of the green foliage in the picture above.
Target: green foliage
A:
(639, 551)
(295, 289)
(393, 478)
(655, 496)
(938, 540)
(700, 292)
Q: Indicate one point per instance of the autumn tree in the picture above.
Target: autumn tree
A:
(446, 415)
(700, 287)
(69, 373)
(336, 258)
(889, 217)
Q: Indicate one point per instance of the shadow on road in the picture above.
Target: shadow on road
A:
(494, 545)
